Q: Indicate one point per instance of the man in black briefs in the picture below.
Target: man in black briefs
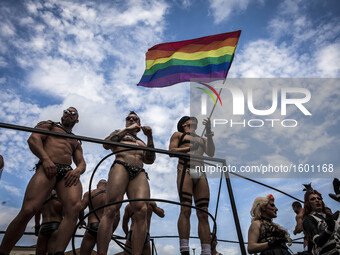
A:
(127, 175)
(52, 215)
(98, 198)
(52, 172)
(194, 183)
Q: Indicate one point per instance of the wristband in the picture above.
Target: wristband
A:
(209, 134)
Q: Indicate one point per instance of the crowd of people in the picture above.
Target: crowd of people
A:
(320, 226)
(55, 194)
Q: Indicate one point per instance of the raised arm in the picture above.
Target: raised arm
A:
(149, 156)
(36, 145)
(209, 145)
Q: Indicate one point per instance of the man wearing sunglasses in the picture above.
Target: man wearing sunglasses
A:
(127, 175)
(53, 171)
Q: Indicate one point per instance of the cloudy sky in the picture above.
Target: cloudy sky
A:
(91, 55)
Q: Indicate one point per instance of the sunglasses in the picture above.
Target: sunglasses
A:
(70, 112)
(131, 117)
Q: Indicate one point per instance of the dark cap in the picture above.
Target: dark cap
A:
(180, 123)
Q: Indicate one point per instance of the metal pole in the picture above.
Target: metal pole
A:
(234, 209)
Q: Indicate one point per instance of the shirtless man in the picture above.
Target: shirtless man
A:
(98, 198)
(52, 172)
(195, 182)
(152, 207)
(297, 208)
(52, 215)
(127, 175)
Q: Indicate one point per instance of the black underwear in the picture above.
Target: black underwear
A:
(92, 229)
(48, 228)
(61, 169)
(129, 237)
(133, 171)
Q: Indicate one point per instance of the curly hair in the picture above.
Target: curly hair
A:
(307, 207)
(256, 213)
(256, 210)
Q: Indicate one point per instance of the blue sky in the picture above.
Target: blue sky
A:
(91, 55)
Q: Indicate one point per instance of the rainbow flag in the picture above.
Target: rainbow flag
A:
(207, 59)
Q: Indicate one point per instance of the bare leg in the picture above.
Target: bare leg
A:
(128, 247)
(71, 200)
(139, 188)
(183, 223)
(201, 191)
(146, 249)
(116, 187)
(87, 244)
(51, 241)
(36, 193)
(41, 245)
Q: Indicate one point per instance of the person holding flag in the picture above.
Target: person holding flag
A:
(204, 59)
(193, 182)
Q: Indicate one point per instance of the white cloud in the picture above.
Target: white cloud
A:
(11, 189)
(329, 59)
(222, 9)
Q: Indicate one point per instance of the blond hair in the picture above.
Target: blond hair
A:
(256, 213)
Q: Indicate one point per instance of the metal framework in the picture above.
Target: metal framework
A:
(175, 154)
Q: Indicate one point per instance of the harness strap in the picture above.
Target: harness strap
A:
(200, 205)
(56, 124)
(98, 193)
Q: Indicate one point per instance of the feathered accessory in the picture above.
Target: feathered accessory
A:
(308, 187)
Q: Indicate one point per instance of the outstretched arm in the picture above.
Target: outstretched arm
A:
(157, 210)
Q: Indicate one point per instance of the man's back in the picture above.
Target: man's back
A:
(52, 210)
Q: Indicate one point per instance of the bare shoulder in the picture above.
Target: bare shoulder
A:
(48, 125)
(176, 135)
(255, 224)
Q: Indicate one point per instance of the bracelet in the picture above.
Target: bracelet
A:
(209, 134)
